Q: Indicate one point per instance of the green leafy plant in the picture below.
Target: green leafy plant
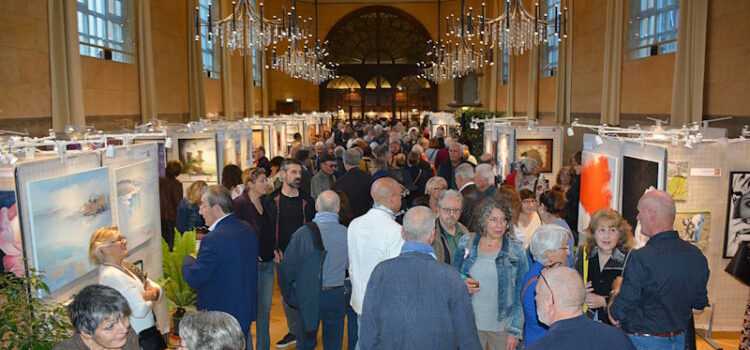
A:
(175, 287)
(474, 137)
(28, 320)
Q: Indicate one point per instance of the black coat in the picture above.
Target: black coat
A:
(265, 164)
(356, 184)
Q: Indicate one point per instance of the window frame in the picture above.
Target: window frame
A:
(211, 69)
(663, 40)
(549, 48)
(109, 46)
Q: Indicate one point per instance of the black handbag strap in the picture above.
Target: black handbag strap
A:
(316, 235)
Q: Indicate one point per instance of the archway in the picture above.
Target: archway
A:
(377, 46)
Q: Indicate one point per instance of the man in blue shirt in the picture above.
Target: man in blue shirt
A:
(414, 301)
(662, 282)
(559, 304)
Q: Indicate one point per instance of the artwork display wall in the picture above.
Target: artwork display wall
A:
(137, 193)
(63, 213)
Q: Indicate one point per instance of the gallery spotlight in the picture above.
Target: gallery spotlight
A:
(598, 140)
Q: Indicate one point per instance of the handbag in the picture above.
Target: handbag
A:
(739, 267)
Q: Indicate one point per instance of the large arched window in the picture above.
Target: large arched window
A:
(378, 46)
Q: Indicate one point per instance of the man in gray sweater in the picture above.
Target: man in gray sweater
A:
(414, 301)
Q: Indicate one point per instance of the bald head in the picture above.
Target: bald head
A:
(656, 212)
(419, 225)
(386, 191)
(328, 201)
(563, 285)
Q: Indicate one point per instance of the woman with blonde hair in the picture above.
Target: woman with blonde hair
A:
(107, 249)
(602, 259)
(188, 216)
(434, 187)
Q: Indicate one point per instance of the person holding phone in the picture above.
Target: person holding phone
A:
(107, 248)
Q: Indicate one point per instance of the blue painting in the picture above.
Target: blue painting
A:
(64, 212)
(137, 192)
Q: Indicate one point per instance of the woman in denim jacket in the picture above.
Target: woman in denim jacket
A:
(493, 264)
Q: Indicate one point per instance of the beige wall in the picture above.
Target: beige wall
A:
(646, 83)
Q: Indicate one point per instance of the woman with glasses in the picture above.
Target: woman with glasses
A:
(552, 210)
(602, 259)
(100, 317)
(493, 264)
(528, 218)
(549, 247)
(107, 248)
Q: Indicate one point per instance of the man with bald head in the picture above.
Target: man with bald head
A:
(312, 272)
(662, 282)
(559, 305)
(414, 301)
(374, 237)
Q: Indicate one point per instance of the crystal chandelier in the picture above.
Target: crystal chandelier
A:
(246, 30)
(472, 41)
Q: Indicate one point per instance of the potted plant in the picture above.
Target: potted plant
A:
(28, 320)
(175, 288)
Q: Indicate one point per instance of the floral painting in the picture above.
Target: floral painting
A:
(64, 212)
(11, 250)
(137, 202)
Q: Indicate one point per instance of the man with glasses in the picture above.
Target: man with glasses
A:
(559, 305)
(374, 237)
(663, 282)
(450, 230)
(325, 178)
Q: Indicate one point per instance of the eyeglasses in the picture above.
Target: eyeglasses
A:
(451, 210)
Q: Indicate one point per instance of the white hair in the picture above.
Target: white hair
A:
(545, 238)
(211, 330)
(450, 193)
(417, 148)
(485, 170)
(328, 201)
(418, 224)
(465, 171)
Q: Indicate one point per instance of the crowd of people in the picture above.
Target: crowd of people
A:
(419, 245)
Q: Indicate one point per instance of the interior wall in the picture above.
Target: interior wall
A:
(169, 39)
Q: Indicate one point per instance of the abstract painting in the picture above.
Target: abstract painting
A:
(738, 212)
(137, 202)
(198, 157)
(637, 176)
(694, 227)
(11, 249)
(539, 149)
(63, 213)
(677, 173)
(505, 153)
(598, 186)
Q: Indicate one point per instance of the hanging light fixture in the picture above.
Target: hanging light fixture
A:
(246, 30)
(472, 41)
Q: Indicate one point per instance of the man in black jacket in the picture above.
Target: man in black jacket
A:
(355, 183)
(465, 181)
(288, 208)
(259, 154)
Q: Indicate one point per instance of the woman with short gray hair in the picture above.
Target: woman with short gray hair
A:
(493, 263)
(100, 317)
(211, 330)
(549, 247)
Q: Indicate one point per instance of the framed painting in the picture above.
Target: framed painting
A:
(64, 211)
(738, 212)
(694, 227)
(539, 149)
(11, 247)
(137, 202)
(599, 188)
(199, 159)
(638, 175)
(677, 174)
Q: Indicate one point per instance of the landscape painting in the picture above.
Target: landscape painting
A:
(198, 157)
(694, 227)
(64, 212)
(137, 202)
(539, 149)
(598, 186)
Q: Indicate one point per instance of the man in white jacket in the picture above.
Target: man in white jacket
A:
(374, 236)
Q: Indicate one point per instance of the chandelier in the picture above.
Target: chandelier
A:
(472, 41)
(246, 30)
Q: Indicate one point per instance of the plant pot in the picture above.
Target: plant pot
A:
(176, 318)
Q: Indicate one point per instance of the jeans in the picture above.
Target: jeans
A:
(292, 317)
(249, 340)
(676, 342)
(352, 331)
(332, 312)
(265, 293)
